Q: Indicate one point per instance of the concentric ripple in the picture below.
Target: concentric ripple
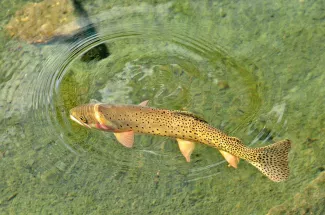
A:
(175, 66)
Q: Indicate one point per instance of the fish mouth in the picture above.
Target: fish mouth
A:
(77, 121)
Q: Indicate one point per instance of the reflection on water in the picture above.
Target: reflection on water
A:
(177, 61)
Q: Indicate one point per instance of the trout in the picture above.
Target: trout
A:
(126, 120)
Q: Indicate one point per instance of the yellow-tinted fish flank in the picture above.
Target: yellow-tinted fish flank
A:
(271, 160)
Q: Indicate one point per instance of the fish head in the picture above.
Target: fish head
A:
(84, 115)
(91, 116)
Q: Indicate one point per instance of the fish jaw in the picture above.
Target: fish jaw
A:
(77, 121)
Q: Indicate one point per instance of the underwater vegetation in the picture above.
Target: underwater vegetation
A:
(253, 69)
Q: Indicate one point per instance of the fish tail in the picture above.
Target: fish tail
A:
(272, 160)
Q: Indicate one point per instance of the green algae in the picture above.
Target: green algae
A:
(282, 41)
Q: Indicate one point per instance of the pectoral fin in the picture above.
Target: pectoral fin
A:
(186, 148)
(231, 159)
(125, 138)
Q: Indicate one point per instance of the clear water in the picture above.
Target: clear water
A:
(255, 70)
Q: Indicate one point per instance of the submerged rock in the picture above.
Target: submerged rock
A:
(42, 22)
(311, 200)
(222, 85)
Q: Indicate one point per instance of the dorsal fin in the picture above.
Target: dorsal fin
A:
(144, 103)
(189, 114)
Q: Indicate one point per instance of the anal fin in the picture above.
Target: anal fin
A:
(186, 148)
(231, 159)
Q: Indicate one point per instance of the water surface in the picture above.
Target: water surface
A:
(252, 69)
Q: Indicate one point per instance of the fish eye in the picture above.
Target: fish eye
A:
(83, 119)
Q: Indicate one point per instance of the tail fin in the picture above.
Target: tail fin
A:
(272, 160)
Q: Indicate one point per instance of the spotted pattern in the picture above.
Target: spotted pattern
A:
(270, 160)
